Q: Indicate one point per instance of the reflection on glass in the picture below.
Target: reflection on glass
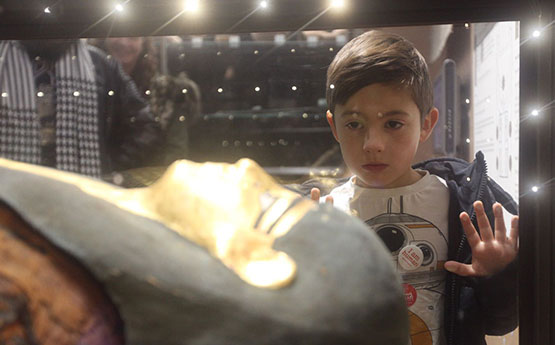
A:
(263, 97)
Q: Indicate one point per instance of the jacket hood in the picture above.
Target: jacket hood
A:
(470, 181)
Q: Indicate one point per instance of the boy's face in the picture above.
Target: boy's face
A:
(378, 130)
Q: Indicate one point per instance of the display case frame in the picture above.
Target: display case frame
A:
(83, 18)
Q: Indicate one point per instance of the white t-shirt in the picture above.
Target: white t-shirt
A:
(412, 221)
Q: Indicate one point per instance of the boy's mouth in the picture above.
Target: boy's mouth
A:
(374, 167)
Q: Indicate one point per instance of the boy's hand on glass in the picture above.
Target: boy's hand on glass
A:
(492, 251)
(315, 196)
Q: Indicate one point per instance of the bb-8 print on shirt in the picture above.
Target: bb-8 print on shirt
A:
(419, 251)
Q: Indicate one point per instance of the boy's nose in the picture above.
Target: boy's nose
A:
(373, 142)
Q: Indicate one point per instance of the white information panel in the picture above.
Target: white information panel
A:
(496, 100)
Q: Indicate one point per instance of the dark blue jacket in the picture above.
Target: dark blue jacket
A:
(474, 307)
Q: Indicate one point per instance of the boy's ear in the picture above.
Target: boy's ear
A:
(428, 124)
(329, 117)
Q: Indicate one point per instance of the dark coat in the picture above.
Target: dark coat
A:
(129, 131)
(474, 306)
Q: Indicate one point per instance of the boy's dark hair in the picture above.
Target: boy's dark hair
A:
(379, 57)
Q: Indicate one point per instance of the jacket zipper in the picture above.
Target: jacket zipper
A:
(481, 190)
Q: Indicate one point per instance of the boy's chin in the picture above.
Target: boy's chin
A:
(386, 182)
(371, 183)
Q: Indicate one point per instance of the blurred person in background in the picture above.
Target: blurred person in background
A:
(64, 104)
(175, 100)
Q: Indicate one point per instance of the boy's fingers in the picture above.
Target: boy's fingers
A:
(471, 235)
(460, 269)
(500, 230)
(513, 237)
(329, 199)
(483, 223)
(315, 194)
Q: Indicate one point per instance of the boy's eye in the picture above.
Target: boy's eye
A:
(353, 125)
(394, 124)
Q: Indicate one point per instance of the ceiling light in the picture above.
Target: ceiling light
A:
(191, 5)
(337, 3)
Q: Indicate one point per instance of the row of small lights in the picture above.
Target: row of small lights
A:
(148, 92)
(255, 117)
(537, 111)
(256, 89)
(255, 52)
(536, 34)
(193, 6)
(250, 143)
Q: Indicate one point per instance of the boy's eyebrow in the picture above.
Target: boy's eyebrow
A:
(389, 113)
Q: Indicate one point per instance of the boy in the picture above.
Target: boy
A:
(459, 285)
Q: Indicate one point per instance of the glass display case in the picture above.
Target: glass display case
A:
(259, 72)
